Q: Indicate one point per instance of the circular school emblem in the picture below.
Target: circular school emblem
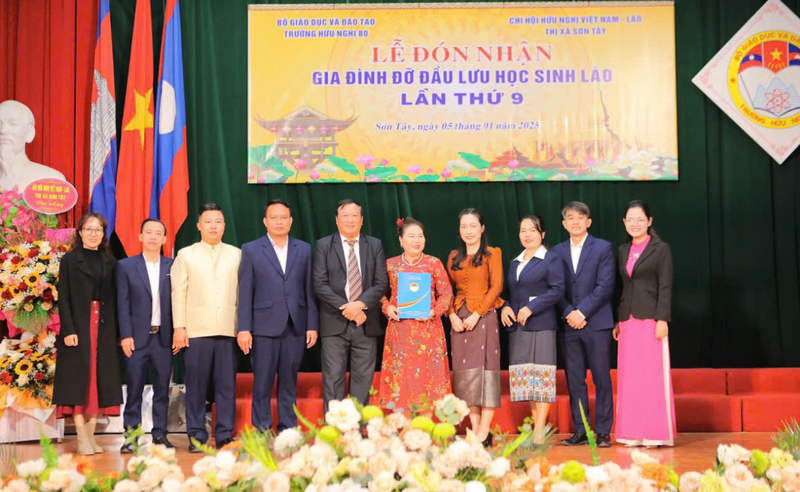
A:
(764, 77)
(414, 287)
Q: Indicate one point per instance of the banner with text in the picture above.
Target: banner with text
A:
(461, 92)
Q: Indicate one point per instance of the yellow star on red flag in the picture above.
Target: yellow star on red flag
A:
(143, 118)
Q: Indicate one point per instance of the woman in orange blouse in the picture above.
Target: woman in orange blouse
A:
(476, 272)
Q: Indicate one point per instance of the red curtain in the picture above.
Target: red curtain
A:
(46, 51)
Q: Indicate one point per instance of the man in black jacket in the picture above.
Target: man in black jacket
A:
(350, 278)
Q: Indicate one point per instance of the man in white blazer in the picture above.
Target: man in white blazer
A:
(205, 293)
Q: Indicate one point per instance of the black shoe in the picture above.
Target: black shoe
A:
(163, 441)
(487, 443)
(193, 448)
(126, 448)
(603, 440)
(577, 439)
(224, 443)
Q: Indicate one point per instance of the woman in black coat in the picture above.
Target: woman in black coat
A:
(87, 379)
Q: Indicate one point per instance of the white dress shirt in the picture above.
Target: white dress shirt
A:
(153, 273)
(346, 248)
(282, 253)
(575, 251)
(523, 262)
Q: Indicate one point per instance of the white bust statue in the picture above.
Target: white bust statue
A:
(16, 130)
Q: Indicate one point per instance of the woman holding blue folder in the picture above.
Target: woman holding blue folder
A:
(535, 284)
(414, 370)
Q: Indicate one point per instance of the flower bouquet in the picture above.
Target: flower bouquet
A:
(28, 279)
(27, 369)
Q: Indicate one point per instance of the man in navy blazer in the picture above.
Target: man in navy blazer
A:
(278, 316)
(144, 307)
(589, 273)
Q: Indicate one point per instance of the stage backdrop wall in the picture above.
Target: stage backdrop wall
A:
(733, 218)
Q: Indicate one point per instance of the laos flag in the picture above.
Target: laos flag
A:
(170, 170)
(103, 130)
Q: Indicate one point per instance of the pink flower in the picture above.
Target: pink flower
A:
(513, 164)
(590, 162)
(374, 179)
(301, 164)
(383, 162)
(446, 173)
(314, 175)
(365, 160)
(262, 180)
(430, 170)
(415, 169)
(370, 165)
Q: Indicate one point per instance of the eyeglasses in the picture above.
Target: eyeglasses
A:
(93, 232)
(636, 221)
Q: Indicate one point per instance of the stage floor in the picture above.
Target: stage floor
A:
(692, 451)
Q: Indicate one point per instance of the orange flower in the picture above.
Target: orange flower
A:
(544, 465)
(83, 465)
(658, 473)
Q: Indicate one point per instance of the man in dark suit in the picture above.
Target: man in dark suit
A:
(145, 328)
(278, 315)
(349, 280)
(588, 321)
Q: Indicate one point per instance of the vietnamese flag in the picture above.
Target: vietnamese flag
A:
(135, 169)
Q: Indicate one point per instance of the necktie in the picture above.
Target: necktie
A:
(353, 273)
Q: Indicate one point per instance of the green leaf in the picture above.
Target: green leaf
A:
(344, 165)
(398, 177)
(258, 154)
(381, 172)
(426, 178)
(471, 179)
(330, 180)
(278, 166)
(475, 160)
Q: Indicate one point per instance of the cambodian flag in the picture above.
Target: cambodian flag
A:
(170, 170)
(103, 130)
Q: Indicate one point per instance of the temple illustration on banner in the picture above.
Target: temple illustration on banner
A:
(305, 134)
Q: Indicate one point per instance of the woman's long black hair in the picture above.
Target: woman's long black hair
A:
(461, 251)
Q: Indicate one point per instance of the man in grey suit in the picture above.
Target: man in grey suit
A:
(350, 278)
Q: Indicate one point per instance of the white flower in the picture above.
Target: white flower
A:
(127, 486)
(384, 482)
(773, 475)
(287, 440)
(498, 468)
(151, 477)
(446, 464)
(596, 475)
(398, 420)
(642, 459)
(376, 429)
(474, 486)
(365, 448)
(18, 485)
(450, 485)
(134, 462)
(31, 468)
(277, 482)
(322, 476)
(349, 442)
(22, 380)
(381, 463)
(343, 415)
(459, 406)
(562, 487)
(204, 464)
(64, 480)
(224, 460)
(690, 482)
(194, 484)
(416, 439)
(49, 341)
(171, 485)
(161, 452)
(790, 477)
(739, 477)
(728, 455)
